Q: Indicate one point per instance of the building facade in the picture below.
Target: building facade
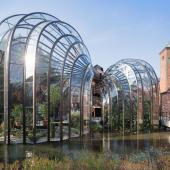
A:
(165, 86)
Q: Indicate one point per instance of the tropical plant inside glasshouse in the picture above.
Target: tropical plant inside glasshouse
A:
(147, 116)
(16, 121)
(75, 122)
(95, 127)
(54, 98)
(115, 116)
(1, 128)
(43, 109)
(16, 115)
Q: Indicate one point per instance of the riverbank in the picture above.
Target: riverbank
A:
(100, 151)
(150, 160)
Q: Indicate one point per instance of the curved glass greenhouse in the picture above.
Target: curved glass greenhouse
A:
(47, 80)
(130, 95)
(49, 90)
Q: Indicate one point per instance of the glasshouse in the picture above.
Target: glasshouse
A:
(50, 91)
(128, 95)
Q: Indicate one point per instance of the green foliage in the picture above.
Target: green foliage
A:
(16, 113)
(2, 128)
(17, 132)
(115, 115)
(139, 157)
(43, 109)
(130, 118)
(38, 136)
(95, 127)
(42, 160)
(54, 97)
(75, 120)
(147, 116)
(117, 120)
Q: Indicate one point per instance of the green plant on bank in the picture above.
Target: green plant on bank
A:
(41, 160)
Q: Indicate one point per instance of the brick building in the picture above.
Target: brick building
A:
(165, 85)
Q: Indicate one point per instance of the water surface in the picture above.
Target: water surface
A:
(98, 143)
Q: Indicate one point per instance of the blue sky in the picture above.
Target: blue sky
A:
(111, 29)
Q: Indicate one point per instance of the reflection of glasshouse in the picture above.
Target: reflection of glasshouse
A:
(47, 68)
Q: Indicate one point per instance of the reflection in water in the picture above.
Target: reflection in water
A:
(106, 142)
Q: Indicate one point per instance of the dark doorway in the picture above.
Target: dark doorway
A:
(98, 112)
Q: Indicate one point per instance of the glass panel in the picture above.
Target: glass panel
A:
(16, 91)
(66, 108)
(106, 113)
(87, 102)
(127, 114)
(1, 96)
(134, 112)
(41, 78)
(30, 59)
(115, 115)
(29, 111)
(32, 46)
(146, 112)
(75, 112)
(86, 110)
(54, 111)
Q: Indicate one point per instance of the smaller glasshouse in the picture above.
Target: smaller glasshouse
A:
(50, 91)
(126, 96)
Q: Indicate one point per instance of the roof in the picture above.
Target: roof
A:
(166, 47)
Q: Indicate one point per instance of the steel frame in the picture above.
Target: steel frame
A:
(57, 56)
(64, 52)
(142, 73)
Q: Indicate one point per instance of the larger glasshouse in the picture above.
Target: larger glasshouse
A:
(50, 91)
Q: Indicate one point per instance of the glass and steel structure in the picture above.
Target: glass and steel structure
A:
(130, 93)
(46, 74)
(46, 90)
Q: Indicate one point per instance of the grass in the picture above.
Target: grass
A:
(148, 160)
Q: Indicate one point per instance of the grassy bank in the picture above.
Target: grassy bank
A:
(150, 160)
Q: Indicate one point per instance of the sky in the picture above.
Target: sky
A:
(111, 29)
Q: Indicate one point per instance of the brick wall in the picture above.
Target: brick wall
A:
(165, 103)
